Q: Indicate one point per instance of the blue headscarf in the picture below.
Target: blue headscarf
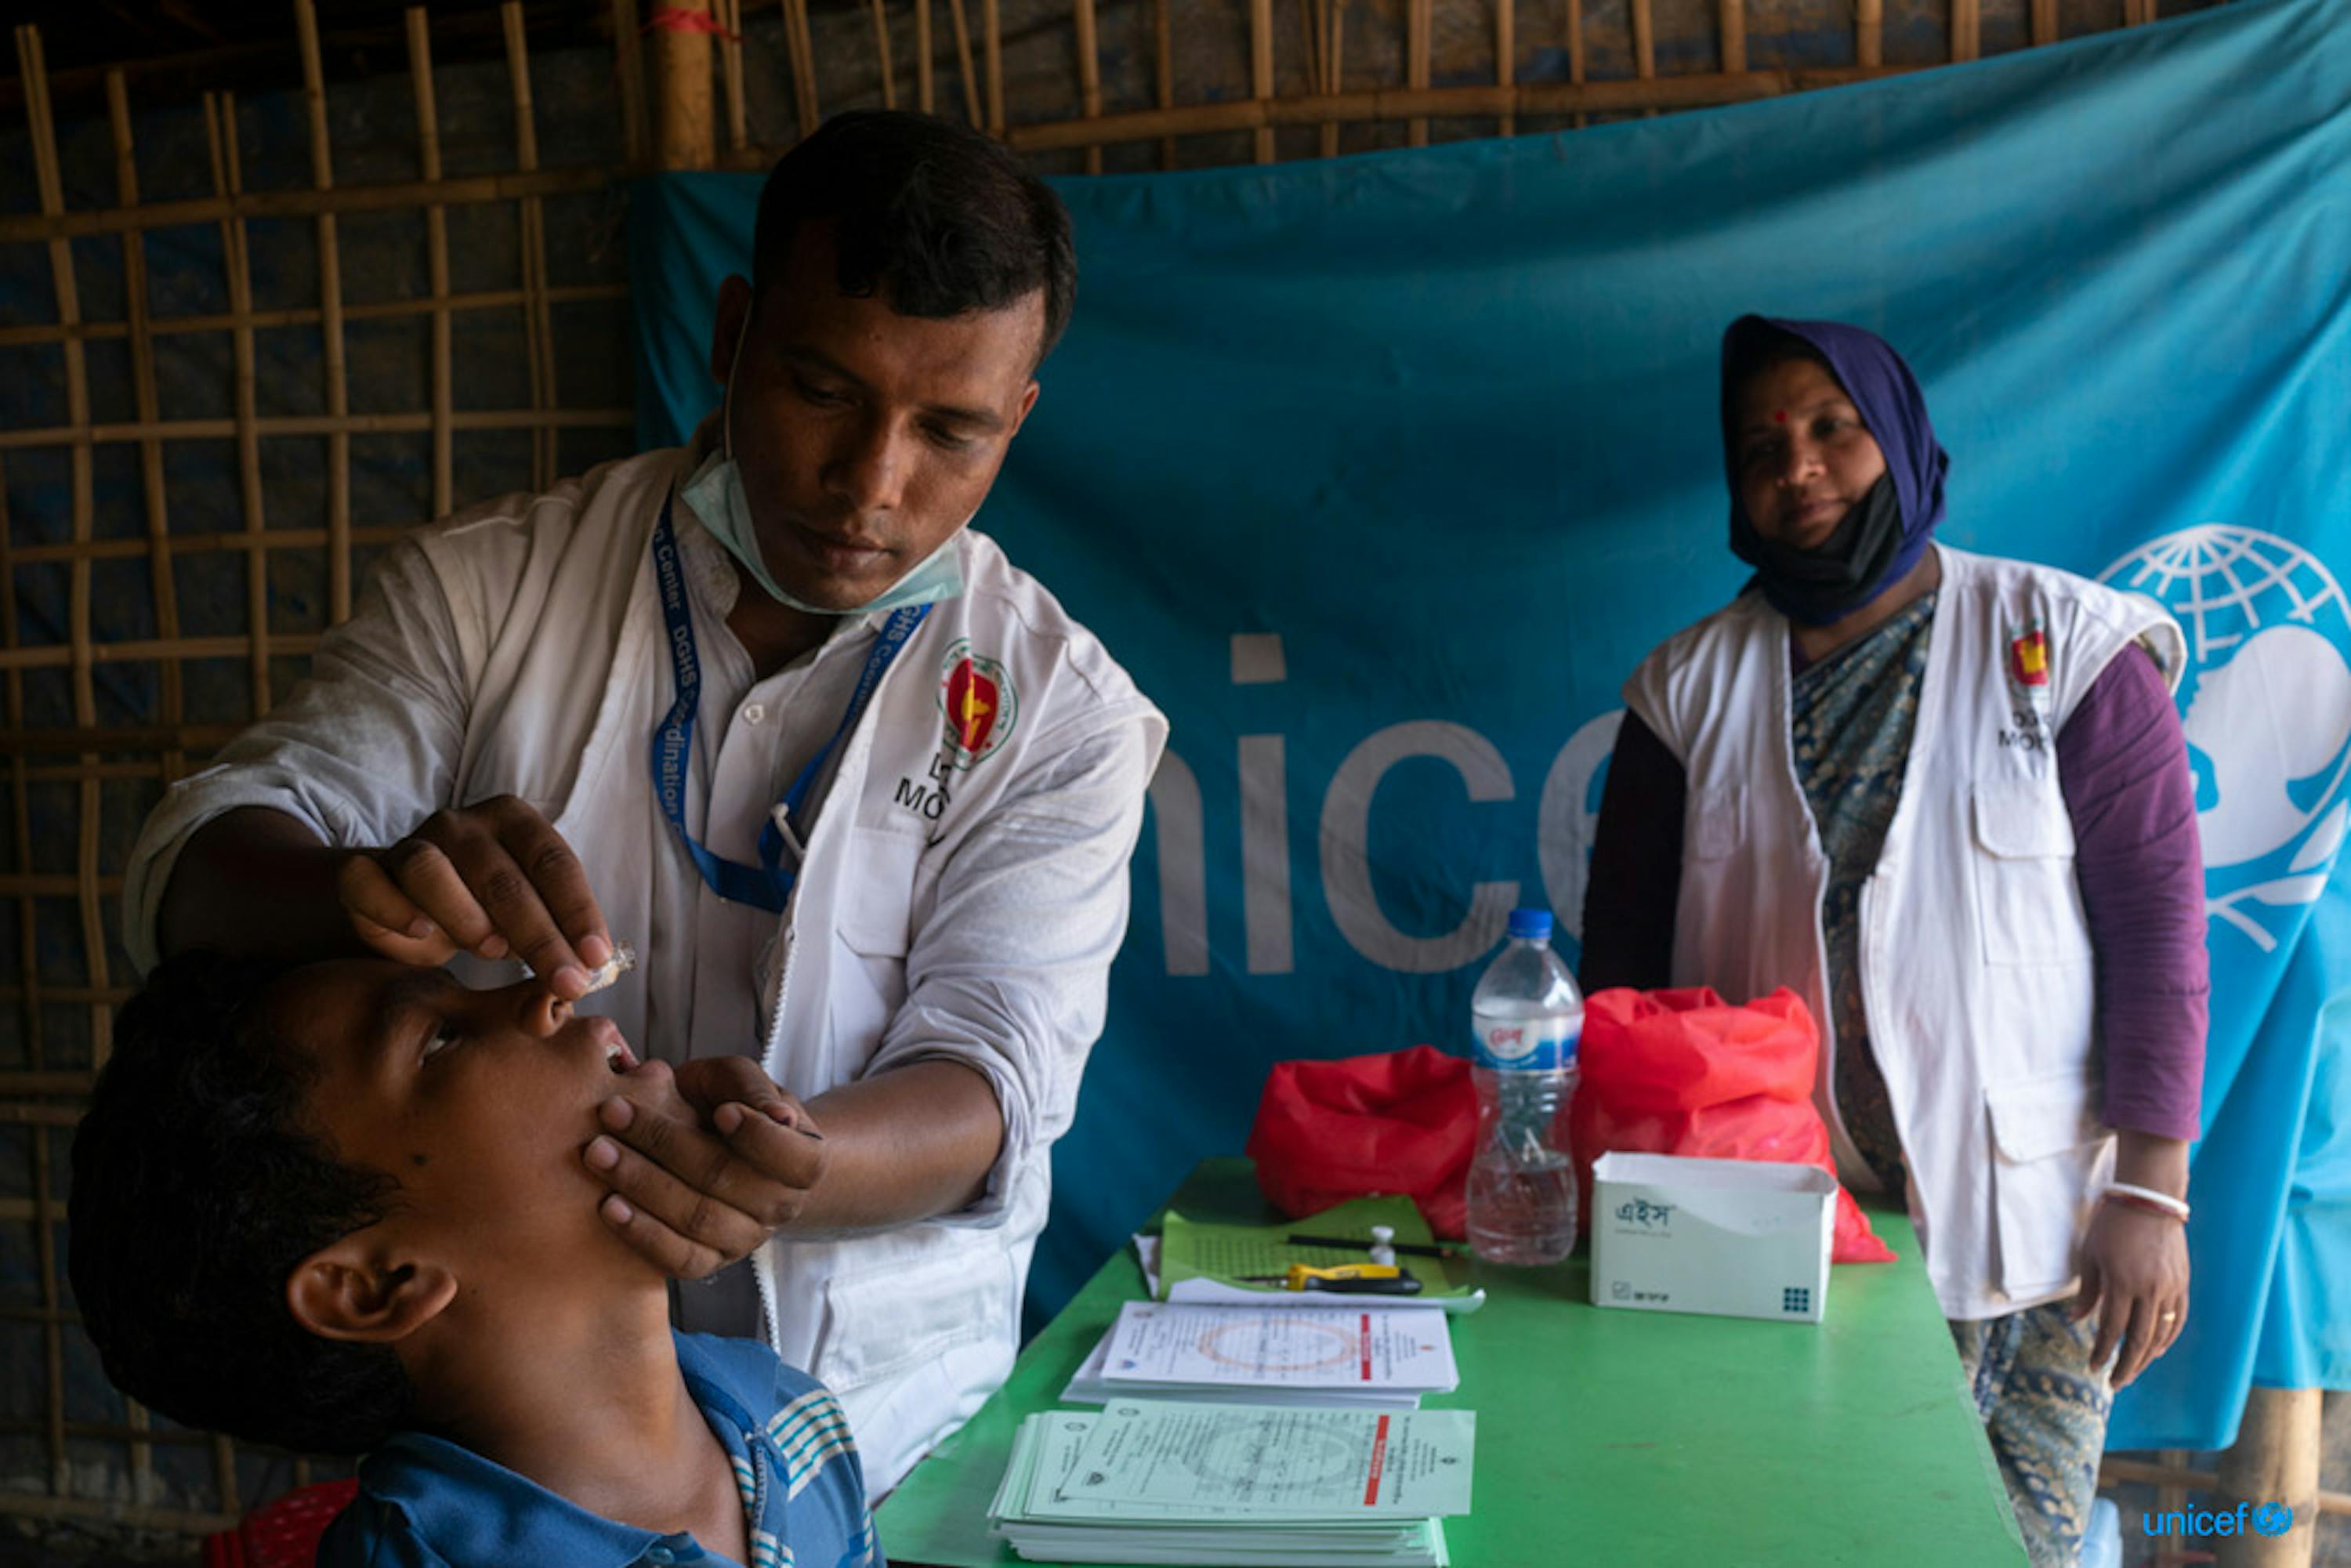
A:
(1894, 523)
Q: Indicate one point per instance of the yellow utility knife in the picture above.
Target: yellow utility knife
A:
(1343, 1279)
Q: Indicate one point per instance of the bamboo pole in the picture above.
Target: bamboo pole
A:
(1645, 42)
(318, 424)
(2045, 21)
(1337, 57)
(331, 324)
(1575, 51)
(962, 59)
(539, 328)
(43, 129)
(1967, 30)
(51, 656)
(162, 583)
(23, 742)
(730, 71)
(1163, 73)
(150, 771)
(2179, 1477)
(1089, 74)
(33, 1014)
(881, 53)
(1417, 46)
(991, 23)
(33, 228)
(1314, 27)
(1261, 68)
(2169, 1496)
(2274, 1459)
(45, 1244)
(1612, 97)
(800, 53)
(800, 16)
(57, 884)
(684, 134)
(1733, 24)
(298, 315)
(437, 246)
(1868, 32)
(1506, 55)
(926, 88)
(186, 1520)
(628, 62)
(220, 121)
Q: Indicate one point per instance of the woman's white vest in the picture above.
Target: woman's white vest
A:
(1976, 974)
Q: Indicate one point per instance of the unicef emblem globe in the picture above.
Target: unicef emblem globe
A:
(2268, 714)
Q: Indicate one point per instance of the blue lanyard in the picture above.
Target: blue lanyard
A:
(767, 884)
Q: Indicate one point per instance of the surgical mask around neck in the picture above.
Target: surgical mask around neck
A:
(716, 494)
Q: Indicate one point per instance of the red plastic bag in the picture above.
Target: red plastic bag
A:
(1404, 1121)
(1685, 1072)
(283, 1533)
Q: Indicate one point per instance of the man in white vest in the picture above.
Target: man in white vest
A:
(858, 792)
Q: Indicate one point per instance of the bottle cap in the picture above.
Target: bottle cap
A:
(1531, 924)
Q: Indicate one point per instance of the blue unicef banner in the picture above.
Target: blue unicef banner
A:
(1381, 474)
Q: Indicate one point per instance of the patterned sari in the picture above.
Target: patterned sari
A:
(1852, 716)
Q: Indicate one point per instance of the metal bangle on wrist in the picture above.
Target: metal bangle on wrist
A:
(2147, 1199)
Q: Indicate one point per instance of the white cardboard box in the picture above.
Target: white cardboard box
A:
(1746, 1238)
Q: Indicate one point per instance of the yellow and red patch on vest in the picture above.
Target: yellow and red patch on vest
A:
(2028, 659)
(978, 703)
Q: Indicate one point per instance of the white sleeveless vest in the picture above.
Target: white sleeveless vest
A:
(1976, 973)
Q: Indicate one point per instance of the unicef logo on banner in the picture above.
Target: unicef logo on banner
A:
(2268, 713)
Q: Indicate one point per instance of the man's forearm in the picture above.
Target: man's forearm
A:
(904, 1145)
(258, 884)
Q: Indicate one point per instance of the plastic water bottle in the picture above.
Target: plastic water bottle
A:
(1527, 1017)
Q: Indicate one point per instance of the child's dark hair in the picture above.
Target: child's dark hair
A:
(934, 217)
(197, 1187)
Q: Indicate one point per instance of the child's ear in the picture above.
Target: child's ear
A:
(354, 1290)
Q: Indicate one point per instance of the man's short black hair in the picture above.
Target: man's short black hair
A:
(197, 1187)
(938, 218)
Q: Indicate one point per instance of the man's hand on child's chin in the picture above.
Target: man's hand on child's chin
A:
(706, 1162)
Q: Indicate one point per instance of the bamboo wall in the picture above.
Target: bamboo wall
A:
(244, 344)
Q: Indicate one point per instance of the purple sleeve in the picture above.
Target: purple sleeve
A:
(1637, 866)
(2122, 761)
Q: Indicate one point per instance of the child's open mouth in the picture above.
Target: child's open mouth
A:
(617, 1054)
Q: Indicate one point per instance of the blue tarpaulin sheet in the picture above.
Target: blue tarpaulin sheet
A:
(1381, 473)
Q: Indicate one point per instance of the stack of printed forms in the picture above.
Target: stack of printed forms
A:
(1213, 1485)
(1346, 1357)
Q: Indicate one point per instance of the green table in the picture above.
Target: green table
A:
(1615, 1437)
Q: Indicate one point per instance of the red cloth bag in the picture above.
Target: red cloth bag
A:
(1404, 1121)
(283, 1533)
(1685, 1072)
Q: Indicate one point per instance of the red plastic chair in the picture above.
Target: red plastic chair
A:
(282, 1533)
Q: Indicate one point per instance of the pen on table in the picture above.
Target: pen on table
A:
(1357, 1244)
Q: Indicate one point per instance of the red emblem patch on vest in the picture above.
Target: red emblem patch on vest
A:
(977, 699)
(2028, 659)
(971, 706)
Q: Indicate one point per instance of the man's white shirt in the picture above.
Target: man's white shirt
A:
(958, 900)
